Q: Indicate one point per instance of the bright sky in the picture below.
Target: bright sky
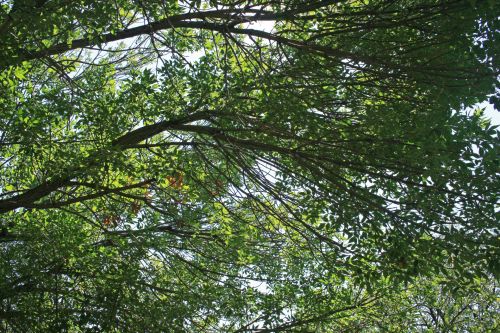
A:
(491, 113)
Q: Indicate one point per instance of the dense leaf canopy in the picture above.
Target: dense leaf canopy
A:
(238, 166)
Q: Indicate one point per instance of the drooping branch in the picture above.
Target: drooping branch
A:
(103, 192)
(29, 197)
(186, 21)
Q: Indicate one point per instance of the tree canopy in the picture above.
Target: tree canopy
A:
(241, 166)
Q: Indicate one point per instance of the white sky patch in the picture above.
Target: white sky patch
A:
(490, 112)
(194, 56)
(267, 26)
(261, 286)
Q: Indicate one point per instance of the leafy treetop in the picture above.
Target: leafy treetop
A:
(178, 163)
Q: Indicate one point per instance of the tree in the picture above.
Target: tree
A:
(178, 164)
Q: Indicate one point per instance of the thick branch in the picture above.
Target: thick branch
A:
(186, 21)
(28, 198)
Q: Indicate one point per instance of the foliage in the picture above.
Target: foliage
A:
(248, 165)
